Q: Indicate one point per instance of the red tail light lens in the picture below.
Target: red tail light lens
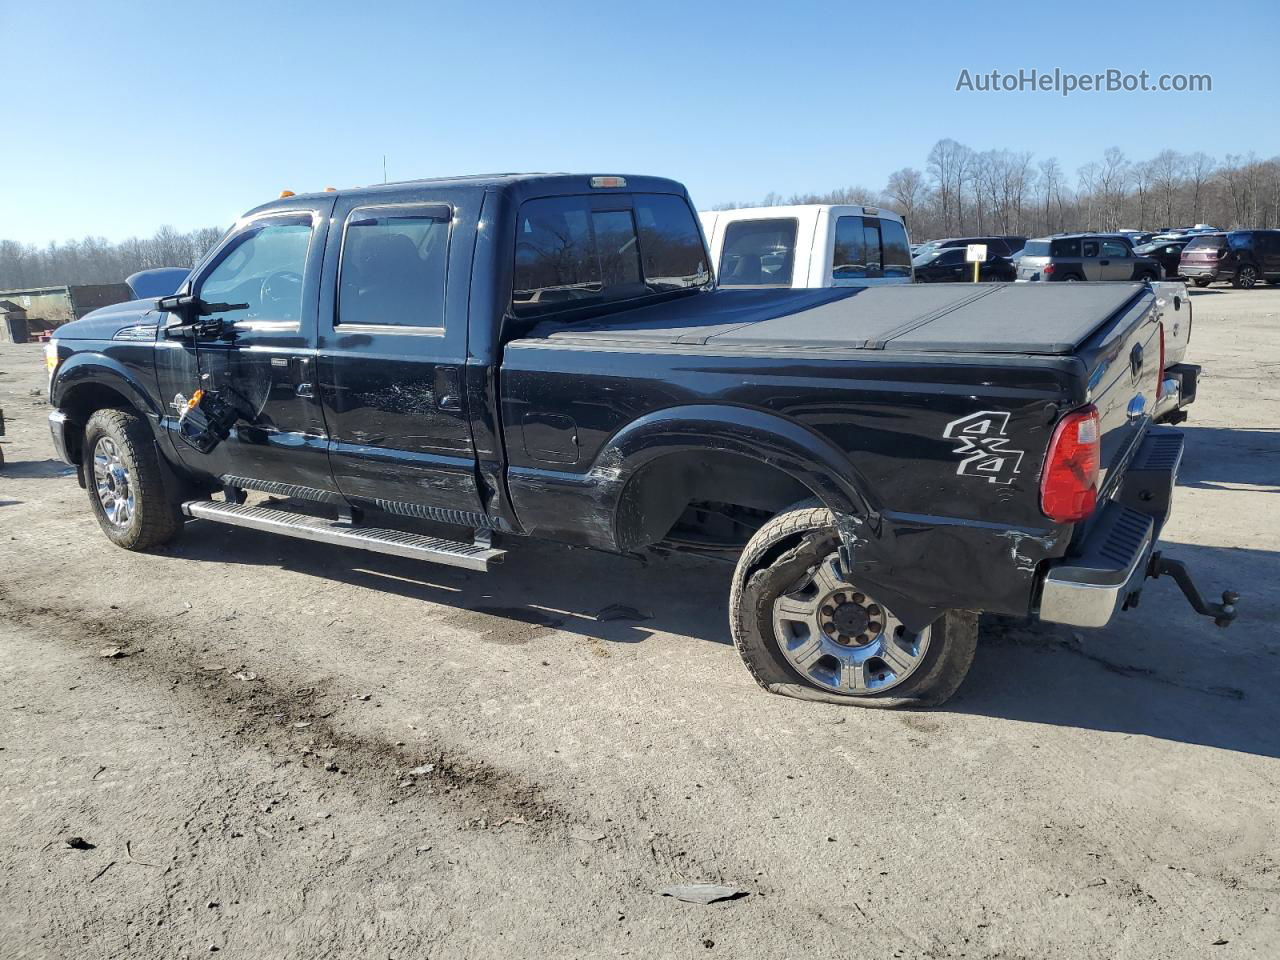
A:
(1160, 372)
(1047, 269)
(1069, 484)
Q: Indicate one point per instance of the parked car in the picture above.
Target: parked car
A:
(1002, 246)
(1243, 257)
(883, 462)
(808, 245)
(1084, 256)
(1168, 253)
(947, 264)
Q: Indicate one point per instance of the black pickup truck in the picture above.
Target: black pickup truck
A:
(433, 369)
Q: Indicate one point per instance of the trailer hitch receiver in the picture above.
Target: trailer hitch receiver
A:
(1222, 613)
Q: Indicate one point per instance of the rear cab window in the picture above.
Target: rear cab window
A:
(758, 253)
(581, 251)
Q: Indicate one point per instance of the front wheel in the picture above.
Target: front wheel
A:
(126, 486)
(805, 632)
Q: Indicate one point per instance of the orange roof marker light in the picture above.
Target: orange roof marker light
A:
(330, 189)
(286, 193)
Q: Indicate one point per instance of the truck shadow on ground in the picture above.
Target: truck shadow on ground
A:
(1159, 670)
(1221, 457)
(36, 469)
(540, 587)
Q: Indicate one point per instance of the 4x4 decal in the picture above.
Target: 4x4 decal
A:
(984, 446)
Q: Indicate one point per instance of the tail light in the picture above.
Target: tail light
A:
(1069, 484)
(1160, 371)
(1047, 269)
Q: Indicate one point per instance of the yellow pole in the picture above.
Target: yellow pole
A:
(975, 271)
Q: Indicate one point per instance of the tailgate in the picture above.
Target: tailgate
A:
(1123, 368)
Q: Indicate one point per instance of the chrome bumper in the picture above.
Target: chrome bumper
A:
(1084, 588)
(58, 428)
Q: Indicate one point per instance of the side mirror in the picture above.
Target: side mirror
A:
(176, 303)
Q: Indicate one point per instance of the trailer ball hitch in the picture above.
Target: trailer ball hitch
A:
(1222, 613)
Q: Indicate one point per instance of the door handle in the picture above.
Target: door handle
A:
(1105, 263)
(303, 382)
(448, 392)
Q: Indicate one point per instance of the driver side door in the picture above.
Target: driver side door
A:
(270, 263)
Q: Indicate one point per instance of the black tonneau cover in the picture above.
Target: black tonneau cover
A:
(1027, 318)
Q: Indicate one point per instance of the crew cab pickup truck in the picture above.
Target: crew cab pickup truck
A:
(438, 369)
(808, 245)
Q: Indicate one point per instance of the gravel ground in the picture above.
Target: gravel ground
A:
(297, 751)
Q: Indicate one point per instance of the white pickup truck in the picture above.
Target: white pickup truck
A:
(808, 245)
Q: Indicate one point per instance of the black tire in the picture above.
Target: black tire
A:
(1202, 281)
(1246, 277)
(1148, 278)
(1072, 278)
(153, 516)
(782, 553)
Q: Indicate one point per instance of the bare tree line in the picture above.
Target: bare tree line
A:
(962, 191)
(97, 260)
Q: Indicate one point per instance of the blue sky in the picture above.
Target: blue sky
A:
(121, 117)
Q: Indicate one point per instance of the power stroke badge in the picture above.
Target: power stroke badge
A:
(984, 446)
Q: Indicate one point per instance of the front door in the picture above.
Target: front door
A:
(1116, 260)
(270, 265)
(392, 359)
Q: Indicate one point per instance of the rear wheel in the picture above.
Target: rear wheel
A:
(805, 632)
(1246, 277)
(126, 486)
(1202, 281)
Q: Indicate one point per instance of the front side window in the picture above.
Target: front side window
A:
(569, 255)
(1114, 248)
(758, 253)
(393, 267)
(263, 267)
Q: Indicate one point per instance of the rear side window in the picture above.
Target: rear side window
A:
(570, 255)
(1066, 248)
(1036, 248)
(897, 252)
(393, 266)
(758, 253)
(1089, 248)
(868, 247)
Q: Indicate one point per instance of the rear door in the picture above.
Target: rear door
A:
(392, 348)
(1268, 242)
(1090, 254)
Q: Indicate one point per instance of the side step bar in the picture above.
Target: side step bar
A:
(376, 539)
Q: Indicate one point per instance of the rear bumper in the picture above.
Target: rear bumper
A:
(1085, 588)
(1208, 271)
(1181, 380)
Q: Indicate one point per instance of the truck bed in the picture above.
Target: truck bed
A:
(1033, 319)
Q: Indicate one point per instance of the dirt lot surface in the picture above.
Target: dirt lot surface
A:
(297, 751)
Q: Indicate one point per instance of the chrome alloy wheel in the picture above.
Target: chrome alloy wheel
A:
(839, 638)
(111, 481)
